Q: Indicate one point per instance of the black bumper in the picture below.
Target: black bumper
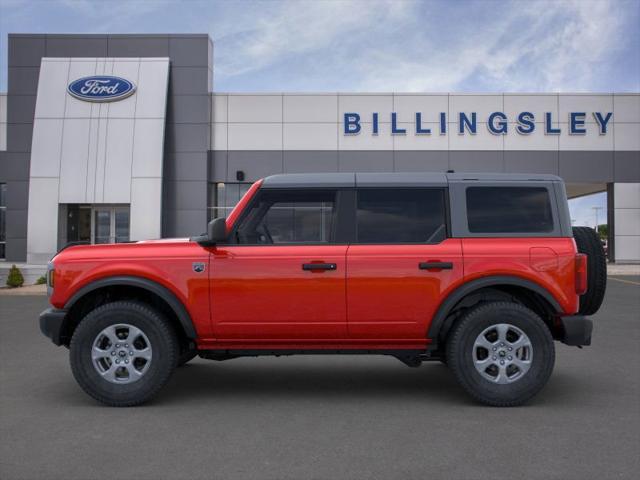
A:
(52, 323)
(576, 330)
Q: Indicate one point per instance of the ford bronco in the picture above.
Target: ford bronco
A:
(481, 272)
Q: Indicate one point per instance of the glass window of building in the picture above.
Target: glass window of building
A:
(224, 196)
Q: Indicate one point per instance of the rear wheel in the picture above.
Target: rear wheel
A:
(589, 243)
(501, 353)
(123, 353)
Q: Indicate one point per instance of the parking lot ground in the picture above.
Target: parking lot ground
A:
(323, 417)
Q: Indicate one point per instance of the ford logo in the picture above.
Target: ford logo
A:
(102, 88)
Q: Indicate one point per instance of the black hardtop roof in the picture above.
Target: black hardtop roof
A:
(396, 179)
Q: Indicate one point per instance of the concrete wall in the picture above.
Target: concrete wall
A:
(96, 153)
(3, 121)
(273, 133)
(188, 113)
(263, 134)
(626, 208)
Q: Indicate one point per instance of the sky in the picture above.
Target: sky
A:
(582, 210)
(376, 45)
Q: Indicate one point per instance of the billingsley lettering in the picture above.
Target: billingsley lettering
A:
(497, 123)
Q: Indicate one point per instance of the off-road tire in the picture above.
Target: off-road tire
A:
(460, 353)
(161, 337)
(588, 242)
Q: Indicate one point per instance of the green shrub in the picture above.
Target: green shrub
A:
(41, 280)
(15, 278)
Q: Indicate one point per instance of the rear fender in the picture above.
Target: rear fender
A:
(442, 322)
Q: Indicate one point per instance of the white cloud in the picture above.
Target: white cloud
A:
(296, 29)
(533, 46)
(555, 52)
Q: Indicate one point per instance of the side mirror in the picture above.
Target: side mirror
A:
(216, 232)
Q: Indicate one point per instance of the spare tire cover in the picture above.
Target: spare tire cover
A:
(588, 242)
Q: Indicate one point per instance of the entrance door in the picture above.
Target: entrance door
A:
(78, 223)
(110, 225)
(97, 224)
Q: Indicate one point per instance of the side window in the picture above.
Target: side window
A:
(289, 217)
(389, 215)
(509, 210)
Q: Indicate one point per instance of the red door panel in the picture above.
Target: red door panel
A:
(263, 293)
(389, 296)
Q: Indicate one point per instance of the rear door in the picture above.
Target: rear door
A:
(401, 263)
(283, 279)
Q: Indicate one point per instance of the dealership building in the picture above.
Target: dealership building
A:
(111, 138)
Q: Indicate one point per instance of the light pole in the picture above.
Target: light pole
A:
(595, 209)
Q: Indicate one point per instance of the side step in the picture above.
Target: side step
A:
(411, 358)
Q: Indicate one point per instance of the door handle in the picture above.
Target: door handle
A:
(435, 265)
(319, 266)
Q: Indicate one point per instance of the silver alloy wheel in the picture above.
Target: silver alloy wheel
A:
(502, 353)
(121, 353)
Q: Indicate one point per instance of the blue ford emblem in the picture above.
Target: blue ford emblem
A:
(101, 88)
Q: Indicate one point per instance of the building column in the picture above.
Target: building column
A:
(623, 207)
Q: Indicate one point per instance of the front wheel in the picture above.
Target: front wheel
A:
(501, 353)
(123, 353)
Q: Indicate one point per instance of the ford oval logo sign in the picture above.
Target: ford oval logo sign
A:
(101, 88)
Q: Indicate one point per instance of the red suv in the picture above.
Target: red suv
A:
(481, 272)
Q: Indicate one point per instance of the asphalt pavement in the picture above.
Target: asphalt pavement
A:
(323, 417)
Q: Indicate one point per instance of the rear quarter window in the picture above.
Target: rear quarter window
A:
(509, 210)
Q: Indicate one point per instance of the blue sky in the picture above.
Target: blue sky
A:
(376, 45)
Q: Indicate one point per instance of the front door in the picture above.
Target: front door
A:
(400, 264)
(282, 276)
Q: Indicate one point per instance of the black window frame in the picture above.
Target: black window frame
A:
(444, 191)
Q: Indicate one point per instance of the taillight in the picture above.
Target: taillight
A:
(581, 273)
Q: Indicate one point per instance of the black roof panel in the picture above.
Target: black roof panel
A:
(401, 179)
(395, 179)
(314, 180)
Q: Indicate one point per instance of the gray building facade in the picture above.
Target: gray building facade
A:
(186, 132)
(164, 160)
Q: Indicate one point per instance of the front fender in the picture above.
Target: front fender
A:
(164, 293)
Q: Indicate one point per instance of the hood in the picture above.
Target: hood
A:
(165, 240)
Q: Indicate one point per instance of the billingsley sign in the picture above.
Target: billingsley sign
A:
(497, 123)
